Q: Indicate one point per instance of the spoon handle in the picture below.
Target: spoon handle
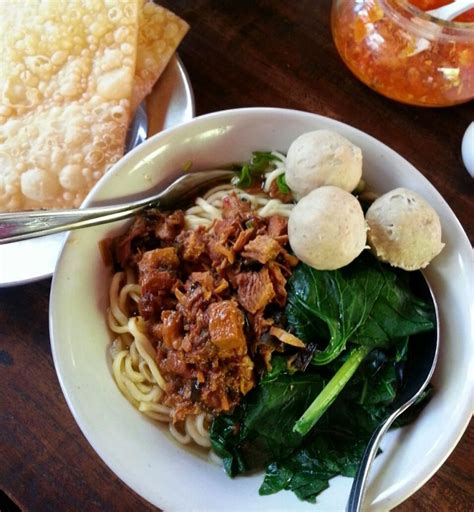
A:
(451, 11)
(21, 226)
(356, 497)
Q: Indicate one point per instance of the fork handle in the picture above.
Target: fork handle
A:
(21, 226)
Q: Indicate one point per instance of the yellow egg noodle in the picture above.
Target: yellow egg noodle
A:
(133, 356)
(69, 82)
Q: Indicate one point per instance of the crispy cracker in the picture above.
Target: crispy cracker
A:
(66, 77)
(160, 33)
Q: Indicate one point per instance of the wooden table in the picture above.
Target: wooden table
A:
(238, 54)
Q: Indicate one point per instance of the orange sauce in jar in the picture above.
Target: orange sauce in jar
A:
(427, 5)
(402, 53)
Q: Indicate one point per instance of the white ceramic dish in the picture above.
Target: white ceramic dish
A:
(137, 450)
(31, 260)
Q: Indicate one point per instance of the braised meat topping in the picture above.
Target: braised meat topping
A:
(206, 296)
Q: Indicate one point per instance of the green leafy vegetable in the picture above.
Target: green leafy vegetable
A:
(308, 470)
(336, 444)
(366, 302)
(261, 162)
(281, 184)
(259, 432)
(245, 178)
(248, 438)
(364, 318)
(327, 396)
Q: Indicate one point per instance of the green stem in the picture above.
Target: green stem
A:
(331, 391)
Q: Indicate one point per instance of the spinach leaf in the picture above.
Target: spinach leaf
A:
(259, 432)
(368, 308)
(398, 312)
(336, 444)
(308, 470)
(248, 438)
(366, 302)
(330, 306)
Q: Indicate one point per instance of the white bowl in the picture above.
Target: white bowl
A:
(141, 453)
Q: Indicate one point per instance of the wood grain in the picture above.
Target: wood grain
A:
(238, 54)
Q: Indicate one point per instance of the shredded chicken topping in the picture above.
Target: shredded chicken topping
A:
(209, 297)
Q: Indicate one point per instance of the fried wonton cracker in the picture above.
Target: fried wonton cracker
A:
(160, 32)
(66, 78)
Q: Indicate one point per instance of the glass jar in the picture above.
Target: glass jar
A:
(403, 53)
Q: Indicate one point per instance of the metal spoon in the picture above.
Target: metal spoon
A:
(24, 225)
(452, 10)
(420, 367)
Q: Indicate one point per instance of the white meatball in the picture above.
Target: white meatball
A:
(322, 157)
(327, 229)
(404, 230)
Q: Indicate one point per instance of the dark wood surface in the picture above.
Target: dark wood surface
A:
(239, 53)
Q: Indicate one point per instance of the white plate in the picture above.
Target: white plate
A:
(173, 104)
(141, 453)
